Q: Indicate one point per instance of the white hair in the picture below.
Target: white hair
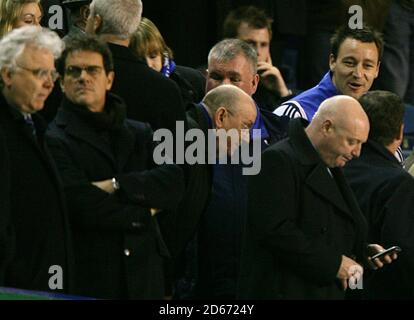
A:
(14, 43)
(120, 18)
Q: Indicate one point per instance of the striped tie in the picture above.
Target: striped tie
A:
(29, 122)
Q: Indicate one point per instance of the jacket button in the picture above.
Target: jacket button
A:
(137, 225)
(127, 252)
(324, 230)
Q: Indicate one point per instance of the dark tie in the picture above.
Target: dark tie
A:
(30, 124)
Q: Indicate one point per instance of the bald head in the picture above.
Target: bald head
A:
(233, 112)
(341, 109)
(226, 102)
(338, 130)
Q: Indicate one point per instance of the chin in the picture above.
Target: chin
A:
(38, 106)
(341, 164)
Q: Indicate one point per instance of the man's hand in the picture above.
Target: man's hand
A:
(271, 78)
(349, 271)
(106, 186)
(379, 262)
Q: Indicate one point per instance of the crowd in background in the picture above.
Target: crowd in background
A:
(82, 190)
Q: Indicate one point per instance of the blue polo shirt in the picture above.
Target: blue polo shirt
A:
(307, 103)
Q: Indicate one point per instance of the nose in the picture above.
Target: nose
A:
(357, 151)
(226, 81)
(358, 71)
(82, 76)
(48, 81)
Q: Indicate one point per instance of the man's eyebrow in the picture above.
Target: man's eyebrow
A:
(233, 73)
(369, 60)
(349, 57)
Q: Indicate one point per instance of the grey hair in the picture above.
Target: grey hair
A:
(120, 18)
(228, 49)
(227, 96)
(14, 43)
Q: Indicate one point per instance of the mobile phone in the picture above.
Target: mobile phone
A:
(394, 249)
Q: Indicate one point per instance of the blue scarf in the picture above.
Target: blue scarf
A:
(260, 125)
(169, 66)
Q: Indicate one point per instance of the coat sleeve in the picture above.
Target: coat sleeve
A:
(160, 187)
(274, 209)
(6, 244)
(89, 206)
(397, 223)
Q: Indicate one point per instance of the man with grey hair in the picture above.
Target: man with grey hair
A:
(40, 232)
(230, 62)
(253, 25)
(234, 61)
(149, 96)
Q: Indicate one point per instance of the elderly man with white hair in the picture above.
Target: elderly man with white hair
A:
(37, 248)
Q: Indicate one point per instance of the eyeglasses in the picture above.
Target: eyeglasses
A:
(42, 74)
(75, 71)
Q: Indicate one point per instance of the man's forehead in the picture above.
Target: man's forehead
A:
(34, 53)
(224, 70)
(351, 46)
(354, 128)
(85, 55)
(230, 66)
(246, 30)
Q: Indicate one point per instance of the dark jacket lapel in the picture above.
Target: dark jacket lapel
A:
(318, 177)
(77, 128)
(125, 142)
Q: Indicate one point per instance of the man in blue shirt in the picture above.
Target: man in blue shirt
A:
(354, 65)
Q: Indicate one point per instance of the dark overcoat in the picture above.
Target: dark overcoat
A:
(149, 96)
(118, 246)
(35, 203)
(301, 220)
(385, 192)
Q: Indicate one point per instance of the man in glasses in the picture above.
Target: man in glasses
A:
(111, 182)
(39, 233)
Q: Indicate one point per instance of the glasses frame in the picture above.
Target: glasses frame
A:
(41, 73)
(76, 71)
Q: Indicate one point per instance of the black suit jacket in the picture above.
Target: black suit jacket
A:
(191, 83)
(149, 96)
(301, 220)
(181, 228)
(35, 203)
(118, 245)
(385, 192)
(6, 240)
